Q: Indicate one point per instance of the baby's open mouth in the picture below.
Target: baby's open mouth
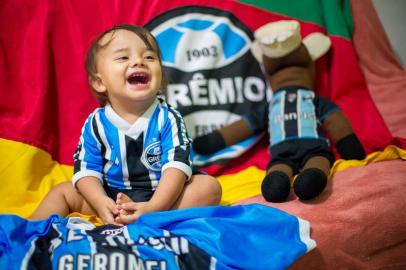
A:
(138, 78)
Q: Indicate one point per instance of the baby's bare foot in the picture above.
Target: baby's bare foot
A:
(122, 198)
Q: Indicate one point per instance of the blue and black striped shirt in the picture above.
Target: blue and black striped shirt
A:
(293, 113)
(132, 156)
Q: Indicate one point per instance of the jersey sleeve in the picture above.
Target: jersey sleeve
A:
(88, 160)
(324, 107)
(175, 144)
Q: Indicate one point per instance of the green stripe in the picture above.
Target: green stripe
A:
(333, 15)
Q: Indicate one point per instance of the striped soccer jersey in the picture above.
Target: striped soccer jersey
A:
(297, 113)
(132, 156)
(293, 113)
(201, 238)
(73, 243)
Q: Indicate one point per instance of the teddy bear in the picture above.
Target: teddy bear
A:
(295, 118)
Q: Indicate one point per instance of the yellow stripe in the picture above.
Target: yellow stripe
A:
(27, 173)
(241, 185)
(391, 152)
(247, 183)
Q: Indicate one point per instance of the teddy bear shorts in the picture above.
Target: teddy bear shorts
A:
(296, 153)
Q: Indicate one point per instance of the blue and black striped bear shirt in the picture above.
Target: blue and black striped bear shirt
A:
(293, 113)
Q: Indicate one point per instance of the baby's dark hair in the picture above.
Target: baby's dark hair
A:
(90, 62)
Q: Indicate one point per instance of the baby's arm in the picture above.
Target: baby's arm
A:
(88, 171)
(167, 193)
(93, 192)
(169, 189)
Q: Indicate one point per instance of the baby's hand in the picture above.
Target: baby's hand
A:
(107, 210)
(129, 212)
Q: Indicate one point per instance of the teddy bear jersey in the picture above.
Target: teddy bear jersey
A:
(297, 113)
(132, 156)
(293, 113)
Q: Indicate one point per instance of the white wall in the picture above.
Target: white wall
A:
(393, 17)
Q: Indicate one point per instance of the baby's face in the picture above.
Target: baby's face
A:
(127, 69)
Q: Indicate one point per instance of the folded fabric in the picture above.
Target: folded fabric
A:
(247, 183)
(215, 237)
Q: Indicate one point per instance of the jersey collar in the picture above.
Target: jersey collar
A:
(137, 127)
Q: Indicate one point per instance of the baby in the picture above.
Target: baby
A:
(133, 156)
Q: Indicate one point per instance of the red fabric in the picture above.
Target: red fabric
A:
(385, 77)
(45, 97)
(348, 89)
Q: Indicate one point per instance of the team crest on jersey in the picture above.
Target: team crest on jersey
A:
(151, 157)
(212, 74)
(291, 97)
(198, 41)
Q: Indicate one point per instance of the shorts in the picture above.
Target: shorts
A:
(296, 153)
(136, 194)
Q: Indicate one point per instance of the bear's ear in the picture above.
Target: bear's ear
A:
(278, 39)
(317, 44)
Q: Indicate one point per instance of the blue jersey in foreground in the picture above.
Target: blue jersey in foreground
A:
(214, 237)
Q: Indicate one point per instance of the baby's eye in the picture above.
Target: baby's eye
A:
(121, 58)
(150, 57)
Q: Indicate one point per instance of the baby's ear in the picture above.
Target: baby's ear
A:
(97, 83)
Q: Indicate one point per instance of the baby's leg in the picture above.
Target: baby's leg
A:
(62, 200)
(201, 190)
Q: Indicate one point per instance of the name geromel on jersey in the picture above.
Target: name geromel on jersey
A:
(112, 247)
(213, 78)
